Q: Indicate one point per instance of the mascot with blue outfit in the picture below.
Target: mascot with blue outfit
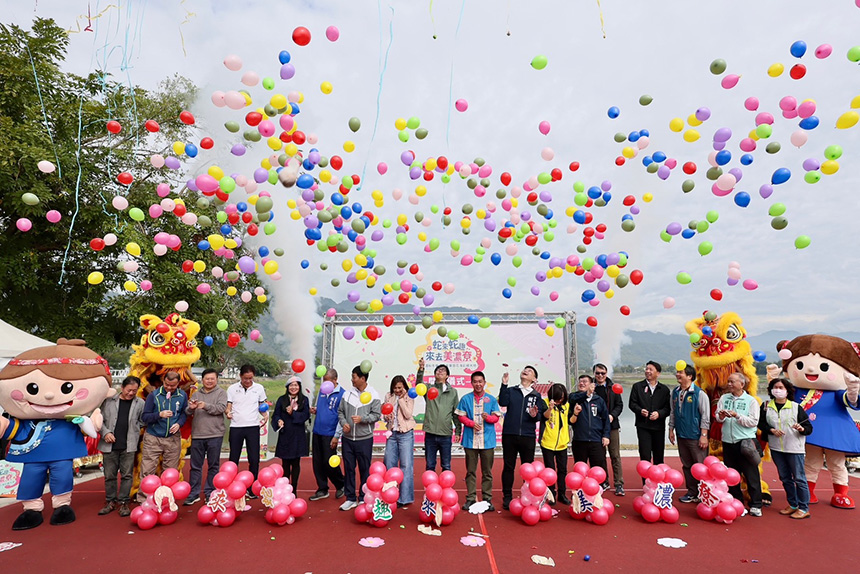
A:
(51, 397)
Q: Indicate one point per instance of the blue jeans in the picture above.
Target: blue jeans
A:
(204, 449)
(399, 448)
(793, 477)
(434, 442)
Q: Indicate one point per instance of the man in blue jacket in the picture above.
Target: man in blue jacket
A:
(589, 420)
(525, 408)
(326, 435)
(163, 414)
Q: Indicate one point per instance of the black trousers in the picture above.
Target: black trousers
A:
(734, 458)
(323, 472)
(250, 436)
(592, 452)
(292, 469)
(652, 443)
(556, 460)
(514, 446)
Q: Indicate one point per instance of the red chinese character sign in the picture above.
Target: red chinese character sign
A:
(532, 504)
(441, 503)
(661, 480)
(160, 504)
(380, 495)
(228, 498)
(587, 501)
(714, 482)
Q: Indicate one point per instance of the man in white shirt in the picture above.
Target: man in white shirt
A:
(243, 409)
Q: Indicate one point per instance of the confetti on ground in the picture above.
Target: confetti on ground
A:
(542, 560)
(4, 546)
(479, 507)
(372, 542)
(473, 541)
(671, 542)
(429, 530)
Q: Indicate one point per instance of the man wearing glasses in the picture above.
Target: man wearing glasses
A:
(615, 404)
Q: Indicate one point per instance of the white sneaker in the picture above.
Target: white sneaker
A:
(348, 505)
(755, 511)
(745, 513)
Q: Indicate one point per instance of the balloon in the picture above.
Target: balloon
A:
(246, 477)
(650, 512)
(298, 365)
(301, 36)
(433, 492)
(531, 515)
(205, 515)
(149, 484)
(181, 490)
(226, 517)
(670, 515)
(148, 519)
(539, 62)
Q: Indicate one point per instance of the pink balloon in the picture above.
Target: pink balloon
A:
(362, 514)
(537, 486)
(527, 471)
(461, 105)
(167, 517)
(391, 495)
(222, 480)
(545, 513)
(181, 490)
(267, 476)
(516, 507)
(298, 507)
(650, 512)
(236, 490)
(394, 474)
(24, 225)
(135, 514)
(375, 482)
(429, 477)
(675, 478)
(597, 473)
(706, 512)
(642, 468)
(825, 50)
(549, 476)
(544, 127)
(582, 468)
(726, 511)
(149, 484)
(531, 515)
(448, 515)
(733, 477)
(205, 515)
(573, 480)
(670, 515)
(378, 467)
(433, 492)
(751, 103)
(639, 503)
(226, 517)
(449, 497)
(447, 479)
(281, 512)
(332, 33)
(590, 486)
(700, 471)
(382, 168)
(53, 216)
(246, 477)
(600, 516)
(148, 519)
(730, 81)
(229, 468)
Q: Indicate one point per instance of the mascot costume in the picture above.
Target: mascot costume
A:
(720, 348)
(167, 345)
(51, 396)
(825, 371)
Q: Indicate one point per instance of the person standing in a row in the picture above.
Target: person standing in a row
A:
(650, 401)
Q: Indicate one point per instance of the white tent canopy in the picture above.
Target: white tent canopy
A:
(14, 341)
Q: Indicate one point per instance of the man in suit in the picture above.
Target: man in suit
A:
(650, 400)
(615, 404)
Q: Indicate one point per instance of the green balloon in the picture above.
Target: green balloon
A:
(833, 152)
(434, 244)
(30, 198)
(512, 281)
(702, 226)
(540, 62)
(621, 281)
(273, 177)
(342, 247)
(713, 173)
(812, 176)
(426, 322)
(421, 133)
(410, 328)
(688, 185)
(354, 124)
(764, 131)
(776, 209)
(269, 228)
(361, 306)
(335, 282)
(580, 199)
(578, 187)
(665, 236)
(548, 236)
(402, 264)
(403, 136)
(620, 137)
(446, 220)
(854, 54)
(232, 126)
(270, 110)
(712, 216)
(652, 167)
(357, 225)
(441, 331)
(323, 163)
(544, 178)
(479, 161)
(269, 83)
(446, 178)
(321, 371)
(420, 292)
(401, 238)
(773, 147)
(484, 322)
(455, 245)
(279, 252)
(645, 99)
(705, 247)
(587, 263)
(136, 214)
(413, 123)
(581, 248)
(453, 335)
(628, 225)
(622, 260)
(560, 322)
(802, 241)
(695, 338)
(718, 66)
(221, 217)
(365, 366)
(324, 216)
(204, 221)
(779, 223)
(222, 324)
(379, 270)
(683, 278)
(252, 135)
(517, 260)
(710, 315)
(599, 202)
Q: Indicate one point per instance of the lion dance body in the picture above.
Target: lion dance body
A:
(721, 349)
(167, 345)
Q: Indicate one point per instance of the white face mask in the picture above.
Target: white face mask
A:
(779, 393)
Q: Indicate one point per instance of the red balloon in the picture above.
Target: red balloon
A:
(537, 486)
(372, 332)
(429, 477)
(298, 366)
(336, 162)
(719, 471)
(236, 490)
(149, 484)
(298, 507)
(670, 515)
(378, 467)
(387, 409)
(575, 515)
(270, 516)
(167, 516)
(147, 519)
(299, 137)
(650, 512)
(716, 295)
(266, 476)
(362, 514)
(549, 476)
(125, 178)
(505, 178)
(689, 168)
(432, 393)
(636, 277)
(675, 478)
(170, 476)
(135, 514)
(516, 507)
(706, 512)
(388, 320)
(433, 492)
(573, 480)
(591, 321)
(205, 515)
(152, 126)
(556, 174)
(581, 468)
(617, 388)
(733, 477)
(394, 474)
(253, 119)
(448, 515)
(726, 511)
(181, 490)
(600, 516)
(639, 503)
(590, 486)
(656, 473)
(390, 495)
(619, 161)
(302, 36)
(179, 210)
(226, 517)
(447, 479)
(207, 143)
(642, 468)
(449, 497)
(531, 515)
(597, 473)
(246, 477)
(574, 165)
(545, 513)
(797, 71)
(375, 482)
(97, 244)
(625, 310)
(114, 127)
(186, 117)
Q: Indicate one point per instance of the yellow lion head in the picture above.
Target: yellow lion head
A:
(170, 343)
(720, 348)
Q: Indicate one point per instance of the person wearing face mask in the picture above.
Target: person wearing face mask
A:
(786, 427)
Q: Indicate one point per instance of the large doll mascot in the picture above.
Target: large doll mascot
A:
(825, 371)
(167, 345)
(48, 393)
(720, 348)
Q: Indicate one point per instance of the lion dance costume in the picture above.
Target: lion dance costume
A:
(168, 345)
(721, 349)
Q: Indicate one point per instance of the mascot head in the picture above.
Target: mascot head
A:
(54, 382)
(171, 342)
(717, 340)
(819, 361)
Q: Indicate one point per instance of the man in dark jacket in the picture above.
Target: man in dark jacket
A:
(650, 400)
(615, 404)
(524, 411)
(589, 420)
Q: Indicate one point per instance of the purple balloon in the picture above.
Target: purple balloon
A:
(307, 194)
(247, 265)
(722, 135)
(238, 241)
(171, 162)
(535, 290)
(400, 229)
(314, 157)
(811, 164)
(377, 235)
(388, 299)
(732, 282)
(606, 185)
(555, 262)
(673, 228)
(525, 216)
(287, 71)
(348, 333)
(415, 173)
(192, 185)
(545, 196)
(353, 296)
(540, 276)
(737, 172)
(416, 310)
(311, 222)
(327, 387)
(663, 172)
(238, 150)
(351, 279)
(542, 323)
(634, 210)
(407, 157)
(401, 271)
(490, 224)
(603, 285)
(428, 299)
(719, 146)
(261, 175)
(702, 114)
(612, 259)
(765, 191)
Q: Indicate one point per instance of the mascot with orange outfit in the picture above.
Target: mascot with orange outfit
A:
(720, 348)
(168, 345)
(824, 371)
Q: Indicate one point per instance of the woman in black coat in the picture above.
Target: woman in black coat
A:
(288, 419)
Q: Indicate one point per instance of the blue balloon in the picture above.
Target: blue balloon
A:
(271, 216)
(305, 263)
(746, 159)
(226, 229)
(601, 260)
(613, 112)
(626, 216)
(707, 331)
(295, 109)
(634, 136)
(644, 133)
(263, 251)
(308, 165)
(723, 157)
(473, 319)
(208, 341)
(370, 263)
(313, 234)
(203, 245)
(809, 123)
(190, 150)
(413, 394)
(284, 57)
(346, 212)
(414, 288)
(544, 255)
(242, 207)
(337, 198)
(356, 208)
(594, 192)
(607, 197)
(688, 233)
(780, 176)
(742, 199)
(659, 156)
(549, 214)
(798, 49)
(587, 295)
(305, 181)
(646, 161)
(579, 216)
(496, 258)
(506, 293)
(351, 235)
(759, 356)
(364, 218)
(264, 407)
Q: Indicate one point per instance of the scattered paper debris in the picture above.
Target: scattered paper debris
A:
(131, 532)
(479, 507)
(372, 542)
(4, 546)
(429, 530)
(473, 541)
(671, 542)
(542, 560)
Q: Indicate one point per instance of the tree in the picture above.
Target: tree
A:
(46, 114)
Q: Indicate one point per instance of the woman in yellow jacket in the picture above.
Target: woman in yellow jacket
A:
(555, 437)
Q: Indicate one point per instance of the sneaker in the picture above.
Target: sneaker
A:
(788, 510)
(619, 491)
(191, 500)
(249, 494)
(688, 498)
(403, 504)
(491, 508)
(605, 486)
(319, 495)
(339, 493)
(109, 507)
(124, 510)
(349, 505)
(755, 511)
(800, 514)
(745, 512)
(468, 504)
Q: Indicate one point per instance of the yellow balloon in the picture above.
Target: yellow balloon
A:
(609, 293)
(557, 272)
(248, 100)
(312, 290)
(130, 286)
(430, 164)
(326, 87)
(325, 176)
(628, 152)
(334, 461)
(775, 70)
(422, 236)
(753, 135)
(263, 298)
(465, 223)
(376, 305)
(179, 201)
(421, 389)
(365, 397)
(569, 268)
(481, 214)
(199, 266)
(613, 271)
(95, 278)
(291, 203)
(401, 219)
(270, 267)
(216, 242)
(515, 201)
(274, 143)
(420, 191)
(437, 316)
(400, 124)
(132, 249)
(378, 203)
(691, 135)
(676, 124)
(253, 199)
(361, 274)
(680, 365)
(375, 194)
(647, 197)
(215, 172)
(278, 101)
(371, 280)
(361, 260)
(855, 103)
(346, 265)
(693, 120)
(570, 211)
(291, 149)
(266, 164)
(295, 215)
(178, 148)
(349, 146)
(550, 330)
(847, 120)
(829, 167)
(231, 291)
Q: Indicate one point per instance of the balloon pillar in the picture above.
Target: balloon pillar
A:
(228, 498)
(441, 502)
(161, 496)
(277, 495)
(532, 505)
(661, 480)
(715, 501)
(586, 501)
(381, 492)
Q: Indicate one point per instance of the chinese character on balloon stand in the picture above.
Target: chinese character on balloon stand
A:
(663, 495)
(381, 510)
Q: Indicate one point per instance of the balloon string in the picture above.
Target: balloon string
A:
(44, 112)
(77, 190)
(381, 80)
(432, 19)
(600, 11)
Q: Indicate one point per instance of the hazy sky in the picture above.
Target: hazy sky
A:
(482, 53)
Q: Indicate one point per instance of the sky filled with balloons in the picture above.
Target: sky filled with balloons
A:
(635, 163)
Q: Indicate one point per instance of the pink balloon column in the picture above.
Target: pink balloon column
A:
(532, 505)
(661, 480)
(161, 496)
(714, 481)
(441, 503)
(587, 501)
(228, 498)
(380, 495)
(277, 495)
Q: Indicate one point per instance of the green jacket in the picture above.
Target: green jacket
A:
(439, 414)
